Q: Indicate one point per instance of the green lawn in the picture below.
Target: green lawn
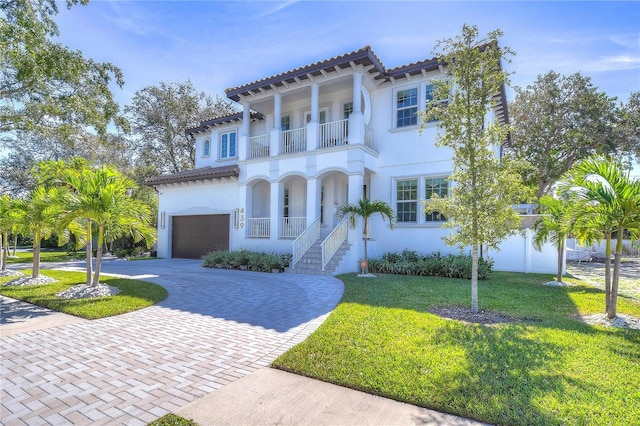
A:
(547, 369)
(134, 295)
(45, 256)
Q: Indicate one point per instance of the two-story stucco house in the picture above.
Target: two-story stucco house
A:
(309, 140)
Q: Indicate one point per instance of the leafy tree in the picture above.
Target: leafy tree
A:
(629, 127)
(36, 216)
(365, 209)
(554, 226)
(45, 86)
(606, 200)
(160, 114)
(479, 206)
(100, 197)
(24, 150)
(558, 121)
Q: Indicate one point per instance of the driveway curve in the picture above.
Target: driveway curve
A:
(215, 327)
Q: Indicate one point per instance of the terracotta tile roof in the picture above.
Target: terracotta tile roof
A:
(364, 56)
(195, 174)
(225, 119)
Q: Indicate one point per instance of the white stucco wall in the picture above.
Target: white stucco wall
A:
(400, 154)
(193, 199)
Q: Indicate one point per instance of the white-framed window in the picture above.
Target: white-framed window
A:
(435, 185)
(409, 194)
(228, 145)
(285, 122)
(429, 96)
(406, 107)
(323, 113)
(206, 148)
(407, 200)
(347, 109)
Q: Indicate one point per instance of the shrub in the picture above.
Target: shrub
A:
(255, 261)
(435, 264)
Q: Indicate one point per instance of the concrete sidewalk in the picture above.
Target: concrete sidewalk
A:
(274, 397)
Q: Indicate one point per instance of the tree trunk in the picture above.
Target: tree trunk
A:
(15, 244)
(560, 256)
(607, 271)
(474, 279)
(96, 275)
(36, 255)
(5, 250)
(613, 301)
(366, 258)
(89, 250)
(3, 261)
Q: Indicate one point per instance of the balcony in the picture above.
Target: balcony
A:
(323, 136)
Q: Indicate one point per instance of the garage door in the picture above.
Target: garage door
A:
(193, 236)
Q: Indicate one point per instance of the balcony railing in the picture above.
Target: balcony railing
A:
(294, 140)
(292, 227)
(259, 227)
(334, 133)
(259, 146)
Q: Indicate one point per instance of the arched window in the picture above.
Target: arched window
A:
(206, 151)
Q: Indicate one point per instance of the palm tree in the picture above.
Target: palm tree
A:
(7, 222)
(366, 209)
(553, 226)
(608, 201)
(100, 197)
(37, 216)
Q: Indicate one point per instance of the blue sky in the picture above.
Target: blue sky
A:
(224, 44)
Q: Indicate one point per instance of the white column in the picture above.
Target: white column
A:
(355, 193)
(357, 92)
(246, 118)
(277, 111)
(243, 139)
(274, 141)
(315, 106)
(275, 210)
(356, 118)
(313, 126)
(313, 200)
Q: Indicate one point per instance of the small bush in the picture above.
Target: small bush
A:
(254, 261)
(435, 264)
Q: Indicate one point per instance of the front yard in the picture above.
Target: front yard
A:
(134, 294)
(544, 367)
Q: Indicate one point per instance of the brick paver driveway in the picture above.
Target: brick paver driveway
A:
(215, 327)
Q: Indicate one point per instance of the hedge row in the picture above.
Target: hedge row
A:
(435, 264)
(245, 259)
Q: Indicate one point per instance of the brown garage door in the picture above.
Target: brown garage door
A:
(193, 236)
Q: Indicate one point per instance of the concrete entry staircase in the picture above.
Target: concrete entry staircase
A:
(311, 262)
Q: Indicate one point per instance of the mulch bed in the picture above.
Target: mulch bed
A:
(481, 317)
